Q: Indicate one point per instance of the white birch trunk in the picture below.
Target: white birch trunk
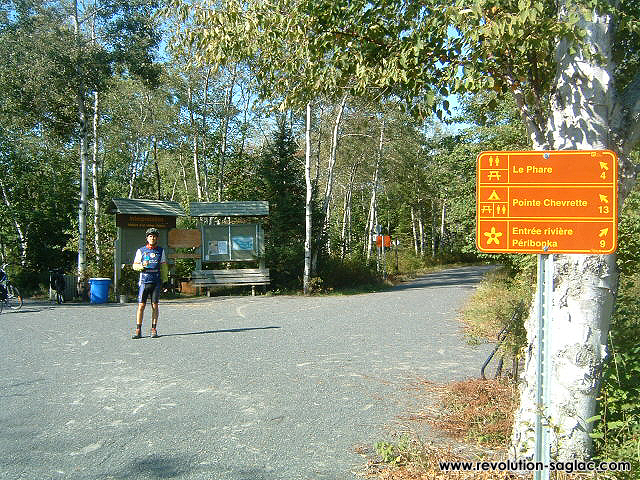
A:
(184, 179)
(332, 162)
(434, 230)
(374, 193)
(137, 167)
(413, 228)
(132, 177)
(84, 142)
(94, 178)
(19, 229)
(204, 134)
(173, 190)
(94, 161)
(421, 231)
(443, 220)
(586, 114)
(196, 160)
(82, 210)
(372, 214)
(196, 167)
(157, 167)
(307, 207)
(225, 132)
(343, 231)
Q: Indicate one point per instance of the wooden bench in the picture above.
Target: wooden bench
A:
(232, 277)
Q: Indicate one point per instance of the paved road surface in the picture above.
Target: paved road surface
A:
(236, 388)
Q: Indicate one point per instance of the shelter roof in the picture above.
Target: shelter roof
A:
(139, 206)
(229, 209)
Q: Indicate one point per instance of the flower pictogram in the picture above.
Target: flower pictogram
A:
(493, 236)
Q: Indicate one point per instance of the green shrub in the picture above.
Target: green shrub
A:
(616, 430)
(501, 301)
(28, 282)
(129, 281)
(336, 273)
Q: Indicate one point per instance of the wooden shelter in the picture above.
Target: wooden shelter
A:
(231, 242)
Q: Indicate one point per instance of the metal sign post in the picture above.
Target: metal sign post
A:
(543, 371)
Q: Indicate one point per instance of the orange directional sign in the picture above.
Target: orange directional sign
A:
(556, 201)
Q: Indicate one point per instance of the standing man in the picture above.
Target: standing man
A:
(151, 262)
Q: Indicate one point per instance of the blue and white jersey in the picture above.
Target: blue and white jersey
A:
(150, 258)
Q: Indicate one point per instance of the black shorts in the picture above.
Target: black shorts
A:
(147, 289)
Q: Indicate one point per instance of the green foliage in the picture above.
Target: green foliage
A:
(336, 273)
(616, 429)
(39, 185)
(395, 454)
(397, 48)
(629, 235)
(500, 303)
(283, 187)
(129, 281)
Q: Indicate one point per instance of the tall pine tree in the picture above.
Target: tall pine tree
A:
(283, 186)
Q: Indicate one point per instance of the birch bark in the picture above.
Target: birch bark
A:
(374, 193)
(225, 132)
(196, 159)
(307, 207)
(443, 220)
(84, 142)
(332, 162)
(94, 179)
(19, 229)
(94, 160)
(413, 228)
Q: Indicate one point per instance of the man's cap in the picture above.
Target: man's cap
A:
(152, 231)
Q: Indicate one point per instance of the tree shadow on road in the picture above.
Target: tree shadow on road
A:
(156, 466)
(173, 466)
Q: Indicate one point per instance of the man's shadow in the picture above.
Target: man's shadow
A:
(228, 330)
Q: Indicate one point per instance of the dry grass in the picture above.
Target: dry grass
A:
(477, 411)
(477, 416)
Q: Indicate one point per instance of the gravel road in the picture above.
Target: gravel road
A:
(235, 388)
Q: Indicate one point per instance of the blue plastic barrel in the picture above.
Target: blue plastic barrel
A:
(99, 290)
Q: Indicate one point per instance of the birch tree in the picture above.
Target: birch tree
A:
(335, 137)
(307, 204)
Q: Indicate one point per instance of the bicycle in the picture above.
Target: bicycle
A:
(174, 285)
(56, 280)
(9, 294)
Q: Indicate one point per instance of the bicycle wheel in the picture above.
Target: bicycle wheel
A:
(14, 299)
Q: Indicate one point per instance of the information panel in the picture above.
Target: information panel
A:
(562, 201)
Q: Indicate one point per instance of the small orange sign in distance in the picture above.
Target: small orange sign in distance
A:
(547, 201)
